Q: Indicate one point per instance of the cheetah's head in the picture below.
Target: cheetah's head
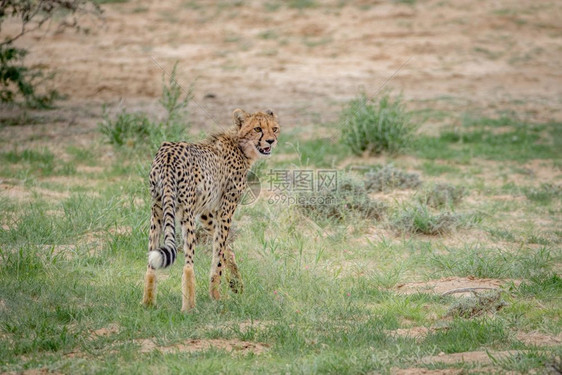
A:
(257, 132)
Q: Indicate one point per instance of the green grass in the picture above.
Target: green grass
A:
(493, 263)
(322, 283)
(500, 139)
(374, 125)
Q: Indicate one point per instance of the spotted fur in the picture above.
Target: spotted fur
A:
(206, 181)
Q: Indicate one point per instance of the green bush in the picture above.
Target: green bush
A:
(371, 127)
(19, 80)
(419, 219)
(442, 195)
(138, 131)
(350, 198)
(389, 178)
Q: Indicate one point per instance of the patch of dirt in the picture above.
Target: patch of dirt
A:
(189, 346)
(243, 326)
(448, 284)
(121, 230)
(539, 339)
(105, 331)
(21, 193)
(89, 169)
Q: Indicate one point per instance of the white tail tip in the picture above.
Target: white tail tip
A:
(155, 259)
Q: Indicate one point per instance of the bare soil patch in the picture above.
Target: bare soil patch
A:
(105, 331)
(449, 284)
(539, 339)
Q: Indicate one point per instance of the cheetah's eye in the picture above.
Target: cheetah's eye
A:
(257, 129)
(275, 130)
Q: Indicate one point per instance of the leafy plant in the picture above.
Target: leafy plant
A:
(419, 219)
(350, 197)
(389, 178)
(135, 130)
(373, 127)
(442, 195)
(15, 78)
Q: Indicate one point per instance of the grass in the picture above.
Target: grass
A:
(500, 139)
(137, 131)
(418, 218)
(389, 178)
(481, 262)
(374, 125)
(442, 195)
(321, 282)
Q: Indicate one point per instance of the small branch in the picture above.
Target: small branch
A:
(464, 290)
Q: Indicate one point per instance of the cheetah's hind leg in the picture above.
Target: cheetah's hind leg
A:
(149, 295)
(233, 277)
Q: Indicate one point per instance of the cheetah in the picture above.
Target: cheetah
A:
(203, 181)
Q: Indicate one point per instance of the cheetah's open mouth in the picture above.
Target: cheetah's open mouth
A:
(265, 150)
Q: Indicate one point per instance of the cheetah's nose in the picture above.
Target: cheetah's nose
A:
(270, 141)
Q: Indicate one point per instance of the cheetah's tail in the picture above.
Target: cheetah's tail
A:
(165, 255)
(162, 257)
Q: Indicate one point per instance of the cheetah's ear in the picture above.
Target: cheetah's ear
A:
(239, 117)
(270, 112)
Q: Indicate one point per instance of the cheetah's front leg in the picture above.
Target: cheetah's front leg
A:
(222, 227)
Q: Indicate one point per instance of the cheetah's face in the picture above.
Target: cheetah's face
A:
(258, 132)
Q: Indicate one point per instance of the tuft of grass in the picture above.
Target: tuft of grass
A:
(418, 218)
(350, 198)
(544, 194)
(389, 178)
(492, 263)
(128, 129)
(370, 126)
(467, 335)
(525, 362)
(442, 195)
(478, 305)
(431, 168)
(301, 4)
(137, 131)
(544, 286)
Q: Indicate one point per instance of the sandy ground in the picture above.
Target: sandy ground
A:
(459, 55)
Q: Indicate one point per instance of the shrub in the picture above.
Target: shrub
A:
(442, 195)
(419, 219)
(137, 130)
(16, 79)
(477, 305)
(370, 127)
(388, 178)
(350, 197)
(544, 194)
(126, 129)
